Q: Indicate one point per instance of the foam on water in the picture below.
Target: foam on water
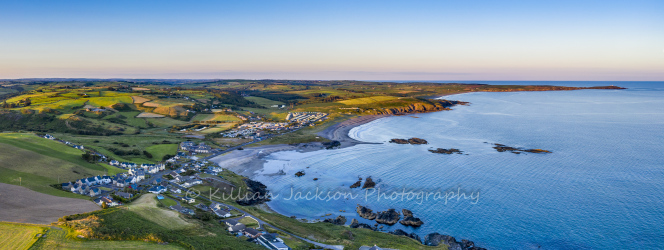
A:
(601, 188)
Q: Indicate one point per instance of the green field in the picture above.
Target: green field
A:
(129, 118)
(263, 101)
(215, 117)
(111, 170)
(36, 163)
(19, 236)
(146, 206)
(124, 224)
(368, 100)
(168, 202)
(59, 238)
(249, 222)
(218, 128)
(158, 151)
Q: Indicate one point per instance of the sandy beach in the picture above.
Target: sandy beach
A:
(249, 162)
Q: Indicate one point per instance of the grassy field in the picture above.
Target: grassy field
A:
(125, 224)
(263, 101)
(59, 238)
(140, 142)
(158, 151)
(249, 222)
(168, 202)
(218, 128)
(146, 206)
(368, 100)
(111, 170)
(215, 117)
(129, 118)
(19, 236)
(36, 163)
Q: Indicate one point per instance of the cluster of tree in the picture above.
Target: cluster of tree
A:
(147, 154)
(233, 98)
(281, 97)
(121, 152)
(43, 122)
(166, 157)
(92, 158)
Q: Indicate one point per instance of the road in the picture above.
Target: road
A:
(261, 222)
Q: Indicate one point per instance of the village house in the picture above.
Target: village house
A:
(251, 233)
(109, 201)
(124, 195)
(191, 183)
(272, 242)
(94, 192)
(114, 163)
(182, 209)
(221, 212)
(157, 189)
(188, 200)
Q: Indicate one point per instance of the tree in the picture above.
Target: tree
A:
(27, 102)
(104, 205)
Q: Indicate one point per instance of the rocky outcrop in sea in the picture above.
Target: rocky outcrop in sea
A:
(366, 213)
(409, 235)
(435, 239)
(446, 151)
(340, 220)
(357, 184)
(409, 219)
(355, 224)
(389, 217)
(502, 148)
(369, 183)
(414, 141)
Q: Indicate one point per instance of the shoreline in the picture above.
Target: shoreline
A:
(249, 161)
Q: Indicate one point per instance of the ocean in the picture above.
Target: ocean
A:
(602, 187)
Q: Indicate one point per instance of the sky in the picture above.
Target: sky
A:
(334, 40)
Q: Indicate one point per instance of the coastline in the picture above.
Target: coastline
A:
(249, 161)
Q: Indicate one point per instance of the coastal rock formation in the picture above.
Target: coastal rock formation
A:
(299, 173)
(389, 217)
(399, 141)
(502, 148)
(421, 107)
(414, 141)
(435, 239)
(257, 194)
(340, 220)
(331, 144)
(409, 220)
(355, 224)
(446, 151)
(365, 212)
(369, 183)
(357, 184)
(409, 235)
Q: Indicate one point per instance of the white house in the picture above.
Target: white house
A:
(114, 163)
(105, 180)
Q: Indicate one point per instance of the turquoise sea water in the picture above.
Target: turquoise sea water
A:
(601, 188)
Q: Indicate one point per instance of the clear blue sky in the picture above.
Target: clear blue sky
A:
(386, 40)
